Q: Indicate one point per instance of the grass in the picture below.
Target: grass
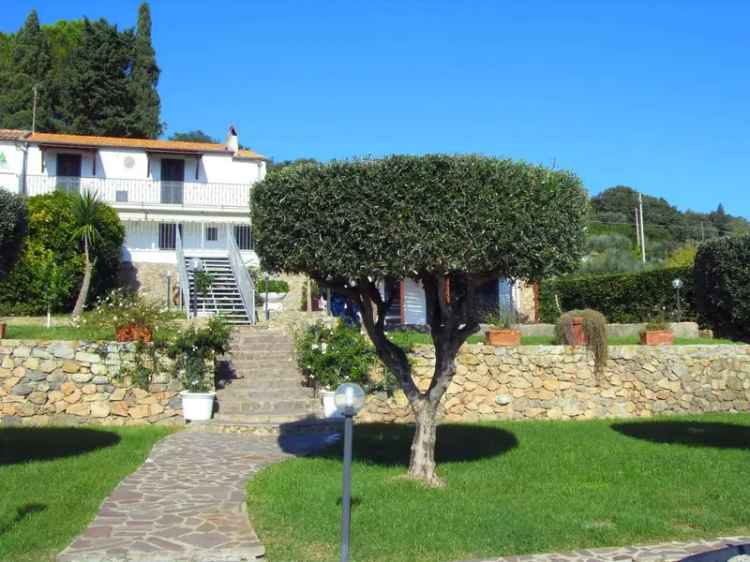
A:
(513, 488)
(408, 339)
(35, 332)
(54, 480)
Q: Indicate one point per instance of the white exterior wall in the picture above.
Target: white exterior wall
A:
(12, 167)
(415, 308)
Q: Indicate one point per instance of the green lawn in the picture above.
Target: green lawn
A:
(53, 481)
(512, 488)
(35, 332)
(408, 339)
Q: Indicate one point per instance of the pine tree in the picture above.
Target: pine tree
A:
(143, 81)
(29, 66)
(96, 96)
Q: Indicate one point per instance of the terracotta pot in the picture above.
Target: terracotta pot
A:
(131, 332)
(660, 337)
(579, 336)
(503, 337)
(2, 330)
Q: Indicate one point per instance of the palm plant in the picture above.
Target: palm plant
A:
(86, 213)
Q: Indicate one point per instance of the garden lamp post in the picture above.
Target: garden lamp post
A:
(169, 289)
(677, 285)
(265, 302)
(349, 399)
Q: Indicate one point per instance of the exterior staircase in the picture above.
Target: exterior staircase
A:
(223, 297)
(264, 393)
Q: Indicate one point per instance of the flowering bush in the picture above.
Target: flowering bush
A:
(132, 317)
(193, 351)
(332, 356)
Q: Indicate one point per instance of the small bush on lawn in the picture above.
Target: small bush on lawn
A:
(13, 226)
(51, 229)
(722, 286)
(627, 297)
(332, 356)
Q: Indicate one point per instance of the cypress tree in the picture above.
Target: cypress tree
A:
(143, 80)
(96, 96)
(29, 66)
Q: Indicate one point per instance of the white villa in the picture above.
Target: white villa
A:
(177, 200)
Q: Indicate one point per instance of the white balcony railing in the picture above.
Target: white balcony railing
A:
(137, 192)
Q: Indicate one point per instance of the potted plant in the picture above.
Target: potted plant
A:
(657, 332)
(194, 351)
(132, 317)
(501, 332)
(276, 291)
(331, 356)
(585, 327)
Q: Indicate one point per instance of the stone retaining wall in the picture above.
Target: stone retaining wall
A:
(557, 382)
(71, 382)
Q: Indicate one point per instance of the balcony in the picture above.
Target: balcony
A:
(133, 193)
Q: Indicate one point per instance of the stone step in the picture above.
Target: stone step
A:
(263, 364)
(269, 354)
(299, 406)
(277, 387)
(275, 418)
(304, 426)
(265, 393)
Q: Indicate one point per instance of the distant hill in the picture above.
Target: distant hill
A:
(612, 242)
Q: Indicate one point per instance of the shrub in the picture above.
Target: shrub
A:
(657, 326)
(627, 297)
(194, 350)
(595, 329)
(273, 286)
(121, 309)
(51, 227)
(722, 286)
(331, 356)
(13, 226)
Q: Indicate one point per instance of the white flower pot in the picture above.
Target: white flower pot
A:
(327, 397)
(275, 301)
(197, 406)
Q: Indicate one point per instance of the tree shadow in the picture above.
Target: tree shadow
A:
(22, 513)
(693, 434)
(26, 444)
(390, 444)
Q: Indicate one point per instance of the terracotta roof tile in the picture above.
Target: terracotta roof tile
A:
(12, 134)
(146, 144)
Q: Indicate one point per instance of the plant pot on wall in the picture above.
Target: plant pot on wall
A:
(503, 337)
(131, 332)
(579, 335)
(657, 337)
(197, 406)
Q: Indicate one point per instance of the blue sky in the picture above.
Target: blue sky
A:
(655, 95)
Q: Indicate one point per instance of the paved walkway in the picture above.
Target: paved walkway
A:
(666, 552)
(186, 503)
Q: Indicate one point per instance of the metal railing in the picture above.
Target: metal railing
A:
(242, 275)
(182, 272)
(143, 192)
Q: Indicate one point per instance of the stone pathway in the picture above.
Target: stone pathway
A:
(665, 552)
(187, 502)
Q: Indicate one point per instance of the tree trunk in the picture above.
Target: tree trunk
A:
(422, 463)
(84, 292)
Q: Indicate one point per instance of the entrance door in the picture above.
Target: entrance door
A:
(172, 178)
(69, 173)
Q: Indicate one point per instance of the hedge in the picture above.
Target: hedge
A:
(51, 227)
(625, 297)
(722, 285)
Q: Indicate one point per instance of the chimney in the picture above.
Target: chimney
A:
(233, 142)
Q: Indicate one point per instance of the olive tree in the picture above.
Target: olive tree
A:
(450, 222)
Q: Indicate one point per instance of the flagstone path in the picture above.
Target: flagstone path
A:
(665, 552)
(187, 502)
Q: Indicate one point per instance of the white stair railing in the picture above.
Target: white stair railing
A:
(182, 272)
(242, 275)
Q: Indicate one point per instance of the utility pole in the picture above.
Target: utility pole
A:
(637, 227)
(643, 233)
(33, 111)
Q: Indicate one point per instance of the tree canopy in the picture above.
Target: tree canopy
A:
(451, 222)
(196, 135)
(91, 78)
(13, 226)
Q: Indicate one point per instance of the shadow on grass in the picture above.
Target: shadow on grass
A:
(22, 513)
(390, 444)
(25, 444)
(694, 434)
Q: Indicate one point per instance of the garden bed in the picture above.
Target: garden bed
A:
(513, 488)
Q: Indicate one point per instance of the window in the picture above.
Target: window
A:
(212, 234)
(168, 236)
(244, 237)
